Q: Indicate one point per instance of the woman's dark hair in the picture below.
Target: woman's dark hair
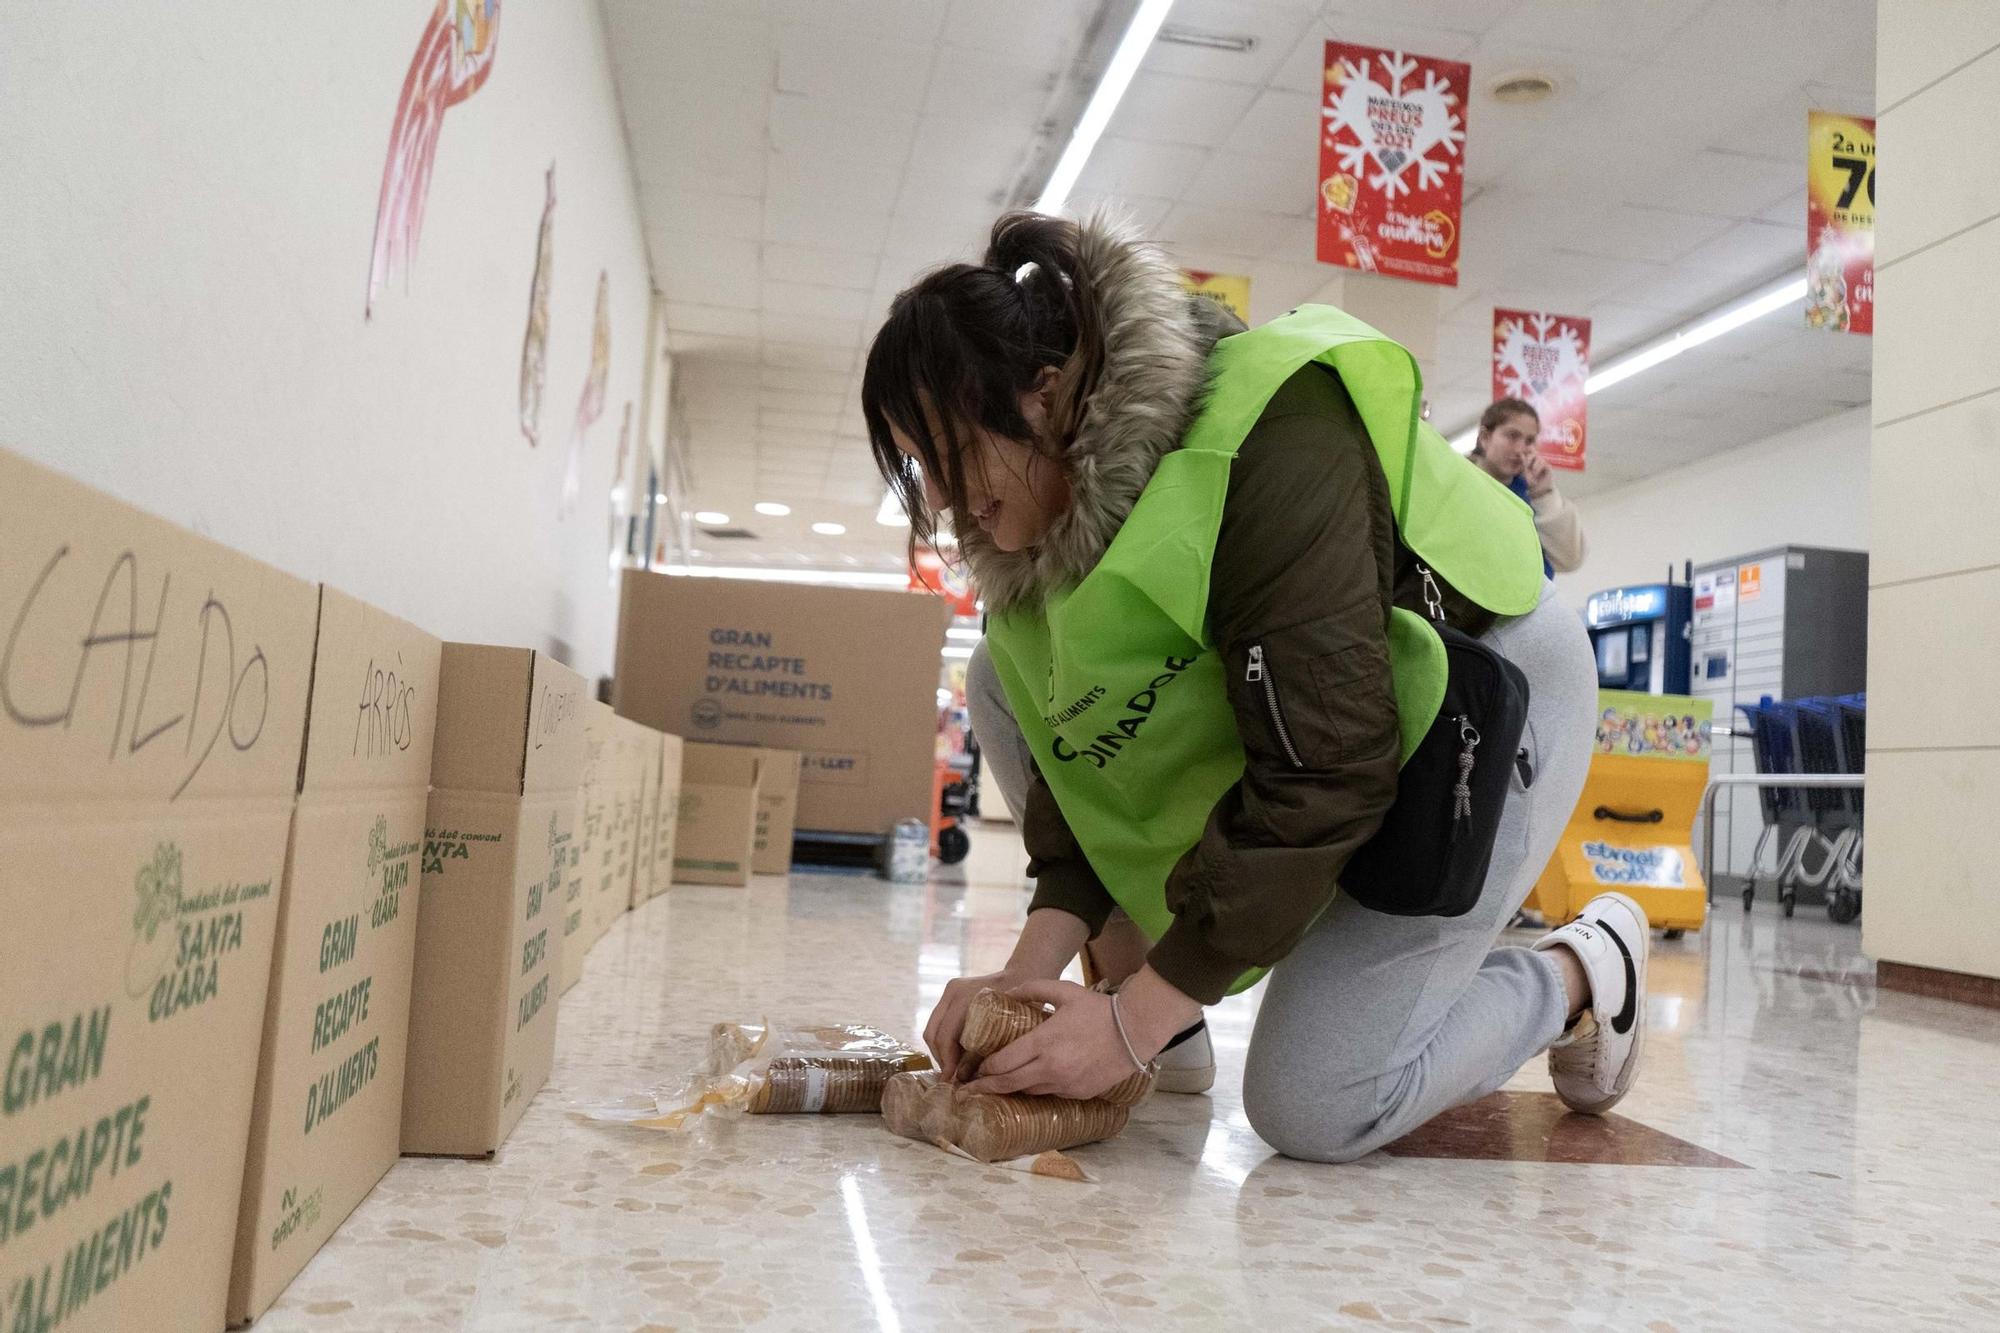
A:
(961, 347)
(1501, 408)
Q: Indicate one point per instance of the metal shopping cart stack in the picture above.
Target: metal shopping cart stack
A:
(1836, 811)
(1818, 830)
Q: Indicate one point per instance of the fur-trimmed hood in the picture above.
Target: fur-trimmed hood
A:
(1157, 341)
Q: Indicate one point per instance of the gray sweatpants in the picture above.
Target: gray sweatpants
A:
(1376, 1023)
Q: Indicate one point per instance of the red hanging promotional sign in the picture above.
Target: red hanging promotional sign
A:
(1545, 360)
(1840, 222)
(929, 573)
(1392, 162)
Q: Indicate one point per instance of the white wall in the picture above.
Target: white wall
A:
(1934, 594)
(188, 204)
(1807, 486)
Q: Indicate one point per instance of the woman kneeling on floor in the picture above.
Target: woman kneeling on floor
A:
(1222, 569)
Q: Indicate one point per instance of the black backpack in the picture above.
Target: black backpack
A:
(1430, 856)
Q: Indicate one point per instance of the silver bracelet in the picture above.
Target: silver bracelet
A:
(1118, 1021)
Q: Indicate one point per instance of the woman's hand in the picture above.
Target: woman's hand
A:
(1076, 1052)
(947, 1021)
(1541, 478)
(1048, 941)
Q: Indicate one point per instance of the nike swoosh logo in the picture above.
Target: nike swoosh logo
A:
(1622, 1024)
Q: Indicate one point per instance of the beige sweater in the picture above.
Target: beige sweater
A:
(1561, 531)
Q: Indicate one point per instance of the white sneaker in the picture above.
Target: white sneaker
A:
(1593, 1063)
(1188, 1067)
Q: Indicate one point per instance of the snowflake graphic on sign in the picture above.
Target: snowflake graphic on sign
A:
(1545, 359)
(1540, 357)
(1392, 162)
(1396, 125)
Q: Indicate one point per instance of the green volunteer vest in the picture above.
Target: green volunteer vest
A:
(1115, 684)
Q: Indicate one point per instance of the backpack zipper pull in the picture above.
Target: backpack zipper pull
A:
(1256, 671)
(1468, 737)
(1433, 599)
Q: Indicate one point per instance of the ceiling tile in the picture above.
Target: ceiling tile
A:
(808, 356)
(875, 20)
(814, 302)
(706, 270)
(1222, 229)
(1653, 235)
(979, 85)
(1280, 123)
(1610, 28)
(1165, 108)
(1141, 211)
(794, 217)
(1129, 167)
(685, 318)
(864, 71)
(1039, 33)
(1286, 186)
(673, 207)
(819, 266)
(1274, 28)
(805, 130)
(781, 328)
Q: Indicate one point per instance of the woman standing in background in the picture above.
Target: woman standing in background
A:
(1506, 449)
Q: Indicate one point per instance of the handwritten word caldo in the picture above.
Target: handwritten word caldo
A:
(133, 623)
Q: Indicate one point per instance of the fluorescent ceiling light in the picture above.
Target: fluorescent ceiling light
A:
(1097, 113)
(955, 652)
(709, 518)
(1775, 296)
(772, 509)
(956, 632)
(830, 529)
(843, 578)
(1771, 297)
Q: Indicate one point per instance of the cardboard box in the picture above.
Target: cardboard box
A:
(624, 788)
(777, 812)
(847, 677)
(667, 829)
(646, 846)
(155, 691)
(327, 1119)
(717, 838)
(504, 775)
(584, 872)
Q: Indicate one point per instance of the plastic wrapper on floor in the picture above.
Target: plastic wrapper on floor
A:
(767, 1069)
(993, 1128)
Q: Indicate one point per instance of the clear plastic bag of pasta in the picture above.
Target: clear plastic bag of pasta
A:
(771, 1069)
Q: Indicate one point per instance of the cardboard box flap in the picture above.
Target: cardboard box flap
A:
(137, 659)
(510, 720)
(600, 745)
(374, 701)
(720, 765)
(639, 752)
(555, 724)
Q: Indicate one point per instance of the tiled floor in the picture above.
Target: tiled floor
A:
(1835, 1162)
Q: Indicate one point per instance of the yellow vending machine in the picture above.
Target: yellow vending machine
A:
(1632, 829)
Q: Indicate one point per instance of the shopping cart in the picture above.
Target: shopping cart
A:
(1836, 811)
(1818, 829)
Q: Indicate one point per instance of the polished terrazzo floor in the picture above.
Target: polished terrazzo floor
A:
(1855, 1178)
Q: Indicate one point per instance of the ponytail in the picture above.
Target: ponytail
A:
(1041, 254)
